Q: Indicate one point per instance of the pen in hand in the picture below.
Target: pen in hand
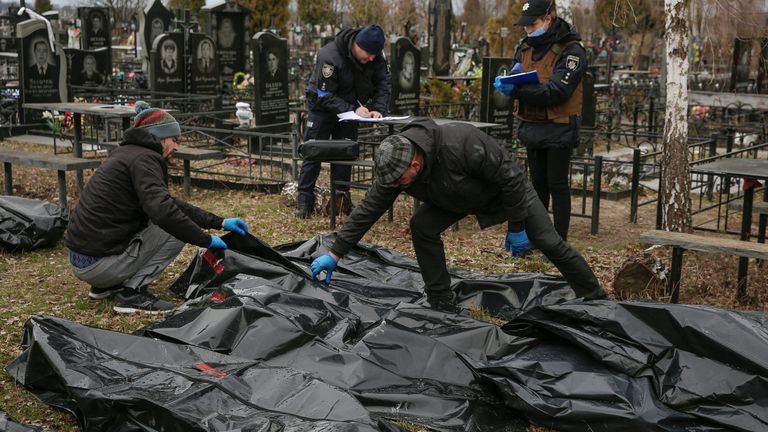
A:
(359, 103)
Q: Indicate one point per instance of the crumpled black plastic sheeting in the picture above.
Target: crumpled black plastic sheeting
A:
(27, 224)
(8, 424)
(572, 366)
(115, 381)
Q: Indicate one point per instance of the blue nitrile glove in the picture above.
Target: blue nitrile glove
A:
(236, 225)
(217, 243)
(517, 68)
(516, 242)
(506, 89)
(325, 262)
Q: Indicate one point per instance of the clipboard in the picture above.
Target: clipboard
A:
(531, 77)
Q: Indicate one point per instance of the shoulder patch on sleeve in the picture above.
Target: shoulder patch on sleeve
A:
(572, 62)
(327, 70)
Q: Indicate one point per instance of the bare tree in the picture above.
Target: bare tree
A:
(564, 10)
(675, 189)
(122, 10)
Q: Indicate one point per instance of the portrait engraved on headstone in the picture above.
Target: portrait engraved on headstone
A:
(42, 65)
(405, 61)
(204, 77)
(227, 23)
(270, 54)
(155, 20)
(167, 72)
(87, 68)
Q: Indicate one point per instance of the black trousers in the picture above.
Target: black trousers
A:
(428, 223)
(549, 175)
(324, 125)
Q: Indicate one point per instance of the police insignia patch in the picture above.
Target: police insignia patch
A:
(327, 70)
(572, 62)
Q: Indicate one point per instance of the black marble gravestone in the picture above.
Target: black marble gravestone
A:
(405, 61)
(155, 20)
(270, 58)
(204, 74)
(42, 68)
(228, 23)
(167, 70)
(95, 29)
(88, 68)
(762, 69)
(742, 60)
(440, 15)
(494, 106)
(589, 100)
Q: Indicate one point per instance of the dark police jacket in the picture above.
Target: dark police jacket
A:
(551, 110)
(129, 190)
(466, 172)
(338, 80)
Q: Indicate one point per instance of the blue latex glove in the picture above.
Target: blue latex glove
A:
(325, 262)
(517, 68)
(506, 89)
(217, 243)
(516, 242)
(236, 225)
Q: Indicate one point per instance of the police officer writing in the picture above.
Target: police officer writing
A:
(456, 170)
(350, 75)
(550, 111)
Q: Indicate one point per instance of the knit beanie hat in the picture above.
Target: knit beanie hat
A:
(371, 39)
(156, 121)
(393, 157)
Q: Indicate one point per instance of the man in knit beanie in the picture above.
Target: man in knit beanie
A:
(351, 74)
(127, 228)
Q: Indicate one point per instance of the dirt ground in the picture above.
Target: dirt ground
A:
(40, 282)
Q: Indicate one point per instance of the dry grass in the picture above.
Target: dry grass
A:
(40, 282)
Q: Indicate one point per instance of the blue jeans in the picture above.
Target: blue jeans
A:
(324, 125)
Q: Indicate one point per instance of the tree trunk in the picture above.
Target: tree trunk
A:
(675, 187)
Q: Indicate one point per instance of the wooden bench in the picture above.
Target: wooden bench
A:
(682, 241)
(61, 164)
(188, 154)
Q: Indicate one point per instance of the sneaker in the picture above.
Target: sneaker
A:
(102, 293)
(131, 301)
(303, 211)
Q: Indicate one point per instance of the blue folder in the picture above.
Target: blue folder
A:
(531, 77)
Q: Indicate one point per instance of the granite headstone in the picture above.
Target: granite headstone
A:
(742, 56)
(95, 29)
(405, 61)
(228, 23)
(155, 20)
(495, 107)
(43, 66)
(204, 75)
(88, 68)
(167, 71)
(440, 16)
(270, 58)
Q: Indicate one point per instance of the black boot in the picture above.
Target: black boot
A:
(444, 303)
(303, 211)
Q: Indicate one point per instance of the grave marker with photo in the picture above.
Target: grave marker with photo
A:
(228, 23)
(168, 71)
(95, 29)
(204, 74)
(270, 58)
(88, 68)
(42, 67)
(155, 20)
(405, 61)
